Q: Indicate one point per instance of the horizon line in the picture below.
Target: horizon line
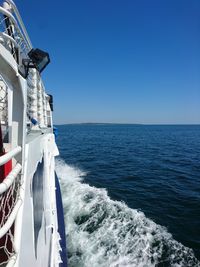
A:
(125, 123)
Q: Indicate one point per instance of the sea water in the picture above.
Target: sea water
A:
(131, 194)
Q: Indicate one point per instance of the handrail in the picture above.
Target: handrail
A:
(20, 21)
(12, 261)
(8, 14)
(8, 156)
(4, 229)
(15, 23)
(7, 182)
(8, 37)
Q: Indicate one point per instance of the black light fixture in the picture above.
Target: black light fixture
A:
(37, 59)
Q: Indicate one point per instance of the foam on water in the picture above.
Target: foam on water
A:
(106, 233)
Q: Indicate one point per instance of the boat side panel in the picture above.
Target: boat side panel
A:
(37, 224)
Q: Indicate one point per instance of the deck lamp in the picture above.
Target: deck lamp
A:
(37, 59)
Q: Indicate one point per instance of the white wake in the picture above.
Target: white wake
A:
(106, 233)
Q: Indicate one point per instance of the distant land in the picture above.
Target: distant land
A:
(121, 123)
(99, 123)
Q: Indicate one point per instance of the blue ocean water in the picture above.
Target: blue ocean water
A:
(148, 213)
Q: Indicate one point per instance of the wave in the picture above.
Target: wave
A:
(106, 233)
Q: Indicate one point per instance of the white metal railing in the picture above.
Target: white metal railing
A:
(12, 261)
(9, 155)
(7, 182)
(17, 38)
(12, 4)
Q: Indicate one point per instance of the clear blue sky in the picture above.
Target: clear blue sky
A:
(126, 61)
